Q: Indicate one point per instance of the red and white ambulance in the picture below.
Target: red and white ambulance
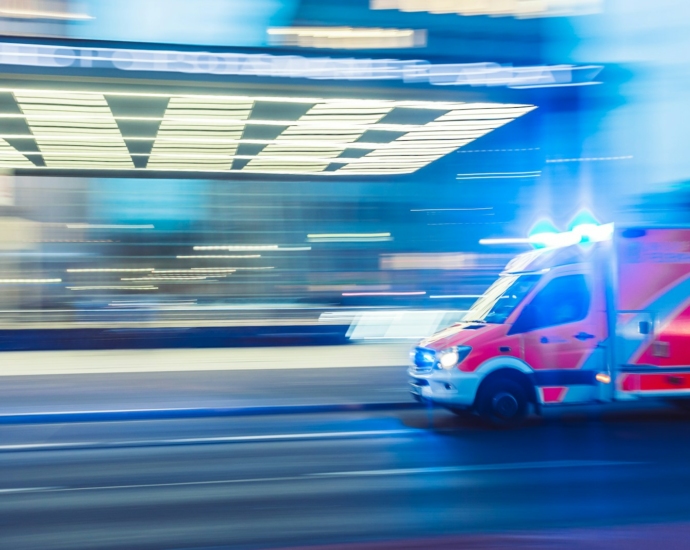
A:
(598, 315)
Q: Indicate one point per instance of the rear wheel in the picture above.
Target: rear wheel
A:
(502, 402)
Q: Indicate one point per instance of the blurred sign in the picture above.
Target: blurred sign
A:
(494, 8)
(295, 66)
(19, 234)
(61, 10)
(443, 261)
(346, 38)
(213, 22)
(6, 190)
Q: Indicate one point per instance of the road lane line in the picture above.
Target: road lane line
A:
(124, 415)
(554, 464)
(27, 490)
(206, 440)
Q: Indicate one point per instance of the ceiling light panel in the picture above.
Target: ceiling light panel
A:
(201, 133)
(187, 122)
(59, 138)
(429, 142)
(333, 124)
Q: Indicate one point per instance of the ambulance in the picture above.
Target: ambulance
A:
(595, 315)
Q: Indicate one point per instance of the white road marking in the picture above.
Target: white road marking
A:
(27, 490)
(329, 475)
(204, 440)
(552, 464)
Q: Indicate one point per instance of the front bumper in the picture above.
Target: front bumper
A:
(449, 388)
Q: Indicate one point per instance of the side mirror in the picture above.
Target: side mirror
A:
(645, 327)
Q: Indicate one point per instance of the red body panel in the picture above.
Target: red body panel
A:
(671, 347)
(661, 382)
(654, 277)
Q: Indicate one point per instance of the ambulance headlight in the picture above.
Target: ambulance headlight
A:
(448, 358)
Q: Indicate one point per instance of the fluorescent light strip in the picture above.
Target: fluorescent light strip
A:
(276, 172)
(420, 293)
(456, 296)
(29, 281)
(192, 139)
(410, 104)
(41, 14)
(170, 278)
(450, 209)
(269, 248)
(213, 269)
(204, 257)
(109, 270)
(112, 287)
(190, 271)
(239, 247)
(498, 175)
(354, 125)
(163, 161)
(232, 268)
(350, 238)
(108, 226)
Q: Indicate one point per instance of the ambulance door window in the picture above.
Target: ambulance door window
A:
(563, 300)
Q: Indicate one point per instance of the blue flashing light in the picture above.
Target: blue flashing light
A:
(593, 233)
(554, 240)
(583, 217)
(543, 226)
(547, 237)
(585, 233)
(542, 234)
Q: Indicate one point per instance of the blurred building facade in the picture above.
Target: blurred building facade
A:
(282, 222)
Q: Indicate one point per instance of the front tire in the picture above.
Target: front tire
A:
(502, 403)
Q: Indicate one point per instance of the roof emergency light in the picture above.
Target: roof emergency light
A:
(585, 233)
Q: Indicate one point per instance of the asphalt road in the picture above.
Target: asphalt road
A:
(305, 480)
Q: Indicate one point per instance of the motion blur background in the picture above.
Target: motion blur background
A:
(302, 163)
(291, 179)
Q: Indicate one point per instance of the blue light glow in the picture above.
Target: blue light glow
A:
(203, 22)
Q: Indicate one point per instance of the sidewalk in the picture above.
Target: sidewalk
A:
(205, 382)
(214, 359)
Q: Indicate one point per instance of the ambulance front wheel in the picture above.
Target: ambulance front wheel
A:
(502, 402)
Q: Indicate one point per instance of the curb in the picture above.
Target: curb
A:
(172, 414)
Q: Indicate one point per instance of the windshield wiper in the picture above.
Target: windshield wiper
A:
(473, 321)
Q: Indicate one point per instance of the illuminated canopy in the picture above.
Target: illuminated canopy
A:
(58, 129)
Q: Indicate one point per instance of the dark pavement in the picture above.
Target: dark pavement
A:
(355, 478)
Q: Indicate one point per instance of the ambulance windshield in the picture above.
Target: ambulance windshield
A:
(501, 298)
